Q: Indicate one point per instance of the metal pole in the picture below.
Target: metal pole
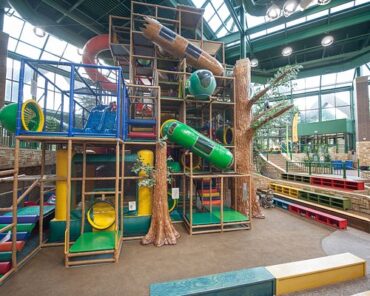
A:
(71, 100)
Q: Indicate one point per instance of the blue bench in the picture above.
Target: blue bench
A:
(246, 282)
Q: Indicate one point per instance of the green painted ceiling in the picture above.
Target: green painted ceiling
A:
(77, 21)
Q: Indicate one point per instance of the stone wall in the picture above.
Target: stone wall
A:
(27, 158)
(363, 152)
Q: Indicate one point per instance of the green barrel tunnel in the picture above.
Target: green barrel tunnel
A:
(200, 145)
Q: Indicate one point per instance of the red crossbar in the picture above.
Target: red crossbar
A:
(142, 135)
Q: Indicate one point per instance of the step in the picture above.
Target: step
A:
(25, 227)
(7, 246)
(21, 236)
(26, 214)
(253, 281)
(5, 267)
(5, 256)
(313, 273)
(94, 241)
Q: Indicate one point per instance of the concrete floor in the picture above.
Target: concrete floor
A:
(279, 238)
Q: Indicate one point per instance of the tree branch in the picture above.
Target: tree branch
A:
(258, 116)
(259, 95)
(256, 124)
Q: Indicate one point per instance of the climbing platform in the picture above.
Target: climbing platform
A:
(214, 216)
(94, 247)
(94, 241)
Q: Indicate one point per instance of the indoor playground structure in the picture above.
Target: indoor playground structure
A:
(163, 137)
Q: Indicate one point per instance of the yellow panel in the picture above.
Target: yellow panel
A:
(145, 193)
(318, 272)
(61, 186)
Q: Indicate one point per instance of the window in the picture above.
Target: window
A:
(203, 145)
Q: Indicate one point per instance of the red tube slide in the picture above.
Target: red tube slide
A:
(91, 50)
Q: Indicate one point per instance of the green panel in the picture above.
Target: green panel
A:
(5, 256)
(135, 225)
(94, 241)
(326, 127)
(26, 227)
(57, 229)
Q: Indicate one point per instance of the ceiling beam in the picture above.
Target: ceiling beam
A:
(84, 20)
(235, 36)
(73, 7)
(297, 33)
(234, 15)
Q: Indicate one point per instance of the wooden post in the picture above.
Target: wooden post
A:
(42, 184)
(83, 188)
(15, 204)
(68, 208)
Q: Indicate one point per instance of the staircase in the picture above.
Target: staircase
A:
(278, 160)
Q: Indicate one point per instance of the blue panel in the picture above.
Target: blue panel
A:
(247, 282)
(20, 235)
(142, 122)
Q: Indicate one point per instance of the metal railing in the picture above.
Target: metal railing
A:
(338, 168)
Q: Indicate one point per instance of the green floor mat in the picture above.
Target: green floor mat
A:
(31, 211)
(203, 218)
(94, 241)
(231, 216)
(24, 227)
(214, 217)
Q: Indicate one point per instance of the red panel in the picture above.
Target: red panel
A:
(5, 267)
(7, 246)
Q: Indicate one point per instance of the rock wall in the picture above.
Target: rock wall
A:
(27, 158)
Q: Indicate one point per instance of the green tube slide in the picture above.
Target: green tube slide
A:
(200, 145)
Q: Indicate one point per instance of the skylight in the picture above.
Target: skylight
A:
(217, 15)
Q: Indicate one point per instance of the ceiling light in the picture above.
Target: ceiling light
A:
(323, 2)
(327, 40)
(254, 63)
(287, 51)
(39, 32)
(273, 12)
(289, 7)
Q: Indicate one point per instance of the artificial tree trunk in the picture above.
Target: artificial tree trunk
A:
(243, 136)
(161, 231)
(245, 127)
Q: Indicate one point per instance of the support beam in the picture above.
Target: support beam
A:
(318, 27)
(73, 7)
(3, 55)
(83, 20)
(243, 36)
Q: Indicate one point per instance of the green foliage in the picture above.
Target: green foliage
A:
(52, 124)
(148, 180)
(277, 93)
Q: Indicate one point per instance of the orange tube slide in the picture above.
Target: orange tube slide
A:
(91, 50)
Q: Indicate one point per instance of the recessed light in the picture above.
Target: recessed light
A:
(327, 40)
(287, 51)
(289, 7)
(323, 2)
(273, 12)
(39, 32)
(254, 63)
